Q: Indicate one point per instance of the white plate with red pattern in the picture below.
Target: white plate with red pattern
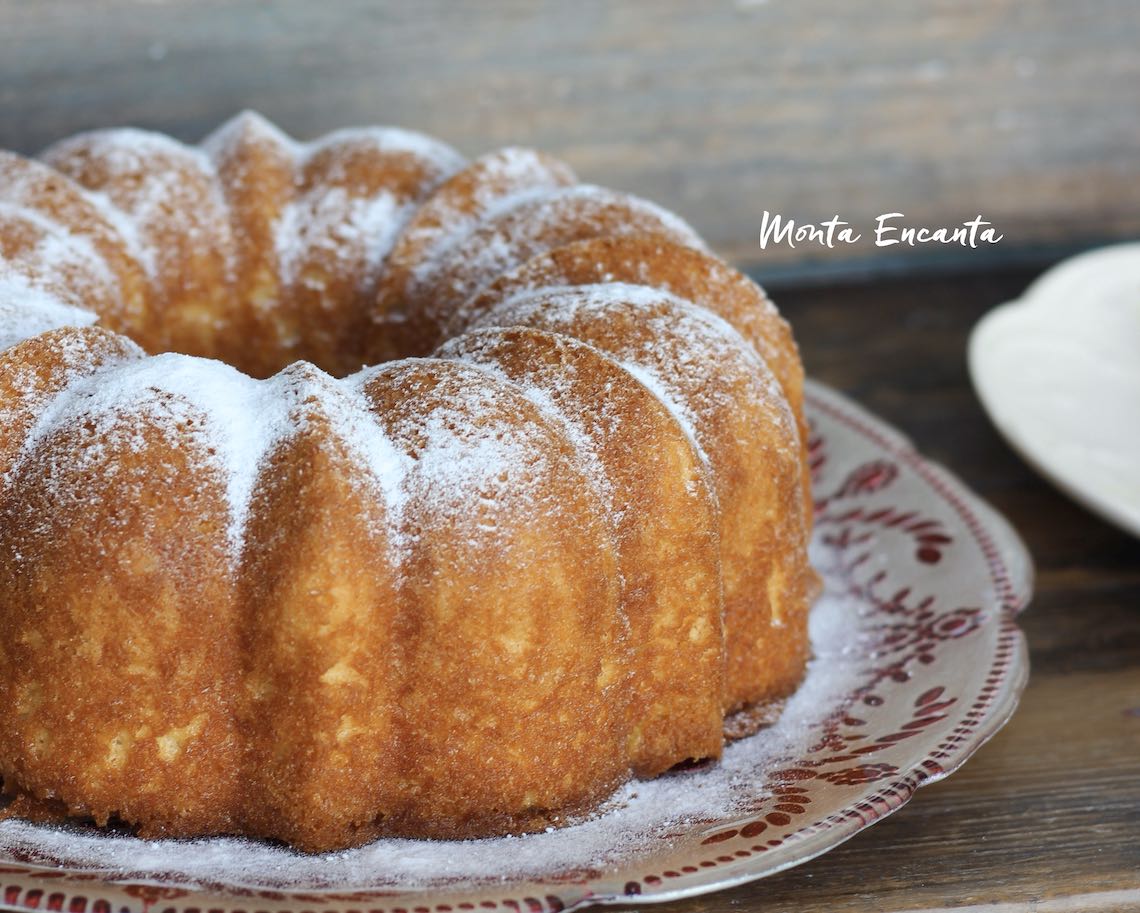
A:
(918, 661)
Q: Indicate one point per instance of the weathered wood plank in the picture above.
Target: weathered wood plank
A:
(1026, 113)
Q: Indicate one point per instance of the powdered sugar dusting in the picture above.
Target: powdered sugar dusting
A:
(439, 156)
(125, 150)
(464, 225)
(519, 228)
(701, 342)
(474, 465)
(635, 824)
(231, 420)
(151, 188)
(213, 408)
(677, 407)
(499, 180)
(243, 127)
(128, 231)
(549, 395)
(27, 311)
(66, 261)
(337, 219)
(26, 183)
(379, 463)
(330, 220)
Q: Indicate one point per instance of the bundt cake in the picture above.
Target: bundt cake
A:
(349, 489)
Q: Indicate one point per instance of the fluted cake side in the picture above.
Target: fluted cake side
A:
(349, 488)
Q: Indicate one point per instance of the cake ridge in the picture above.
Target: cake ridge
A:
(497, 207)
(245, 122)
(24, 177)
(571, 426)
(510, 174)
(387, 139)
(238, 418)
(56, 245)
(676, 345)
(509, 235)
(561, 300)
(338, 217)
(129, 149)
(376, 219)
(445, 457)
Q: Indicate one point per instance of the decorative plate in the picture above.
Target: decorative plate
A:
(1058, 371)
(918, 661)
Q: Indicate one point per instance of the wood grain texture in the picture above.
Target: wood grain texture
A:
(1028, 113)
(1046, 817)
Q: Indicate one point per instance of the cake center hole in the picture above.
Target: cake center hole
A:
(274, 330)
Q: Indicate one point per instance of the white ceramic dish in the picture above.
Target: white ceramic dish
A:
(1058, 371)
(918, 661)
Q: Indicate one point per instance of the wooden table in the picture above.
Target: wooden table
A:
(1046, 817)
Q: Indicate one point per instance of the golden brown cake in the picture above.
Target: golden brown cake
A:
(268, 569)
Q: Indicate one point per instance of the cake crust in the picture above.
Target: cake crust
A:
(350, 489)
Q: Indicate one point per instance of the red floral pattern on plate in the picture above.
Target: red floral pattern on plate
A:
(936, 578)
